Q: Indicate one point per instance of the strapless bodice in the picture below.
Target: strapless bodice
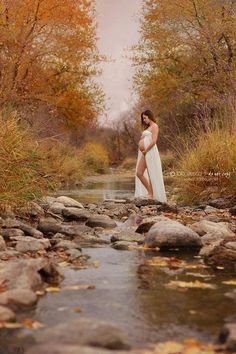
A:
(146, 132)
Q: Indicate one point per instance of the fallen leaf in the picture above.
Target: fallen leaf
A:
(79, 287)
(11, 325)
(173, 284)
(51, 289)
(230, 282)
(29, 323)
(77, 309)
(63, 264)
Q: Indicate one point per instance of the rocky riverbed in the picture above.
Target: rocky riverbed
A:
(39, 242)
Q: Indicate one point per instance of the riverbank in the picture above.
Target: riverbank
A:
(69, 269)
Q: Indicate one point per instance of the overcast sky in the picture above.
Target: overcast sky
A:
(117, 29)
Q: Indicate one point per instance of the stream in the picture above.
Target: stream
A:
(131, 295)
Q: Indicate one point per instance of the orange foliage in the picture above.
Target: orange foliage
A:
(48, 54)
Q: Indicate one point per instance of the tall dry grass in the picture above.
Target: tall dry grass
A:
(22, 173)
(207, 166)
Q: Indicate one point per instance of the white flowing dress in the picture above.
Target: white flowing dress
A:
(153, 172)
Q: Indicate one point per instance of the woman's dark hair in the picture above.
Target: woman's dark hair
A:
(150, 115)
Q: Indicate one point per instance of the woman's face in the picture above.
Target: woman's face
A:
(146, 119)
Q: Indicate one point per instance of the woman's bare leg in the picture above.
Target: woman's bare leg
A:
(139, 173)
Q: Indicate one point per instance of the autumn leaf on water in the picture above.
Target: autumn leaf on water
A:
(29, 323)
(230, 282)
(78, 287)
(51, 289)
(188, 346)
(63, 264)
(77, 309)
(174, 284)
(11, 325)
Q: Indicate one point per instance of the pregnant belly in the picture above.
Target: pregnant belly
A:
(141, 144)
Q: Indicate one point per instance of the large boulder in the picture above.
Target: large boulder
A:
(169, 234)
(84, 331)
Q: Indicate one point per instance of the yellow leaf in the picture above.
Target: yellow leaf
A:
(52, 289)
(230, 282)
(173, 284)
(78, 287)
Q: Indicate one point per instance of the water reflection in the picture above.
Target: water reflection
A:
(107, 187)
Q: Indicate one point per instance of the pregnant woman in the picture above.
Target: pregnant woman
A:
(149, 177)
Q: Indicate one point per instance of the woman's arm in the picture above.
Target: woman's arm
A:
(155, 131)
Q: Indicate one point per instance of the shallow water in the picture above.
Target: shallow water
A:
(131, 294)
(96, 189)
(137, 300)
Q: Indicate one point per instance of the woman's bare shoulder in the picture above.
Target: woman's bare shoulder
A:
(155, 126)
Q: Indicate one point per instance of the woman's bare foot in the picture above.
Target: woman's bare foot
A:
(150, 196)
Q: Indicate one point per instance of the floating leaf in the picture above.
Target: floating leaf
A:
(29, 323)
(11, 325)
(63, 264)
(51, 289)
(173, 284)
(230, 282)
(79, 287)
(77, 309)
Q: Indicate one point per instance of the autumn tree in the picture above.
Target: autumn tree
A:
(49, 57)
(185, 58)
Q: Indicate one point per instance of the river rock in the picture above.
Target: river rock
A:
(223, 255)
(233, 210)
(18, 297)
(127, 234)
(227, 336)
(10, 224)
(168, 234)
(57, 208)
(30, 244)
(49, 225)
(204, 226)
(101, 220)
(30, 273)
(8, 233)
(84, 331)
(69, 202)
(66, 245)
(124, 245)
(74, 349)
(74, 254)
(147, 223)
(75, 214)
(6, 315)
(2, 244)
(9, 254)
(211, 237)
